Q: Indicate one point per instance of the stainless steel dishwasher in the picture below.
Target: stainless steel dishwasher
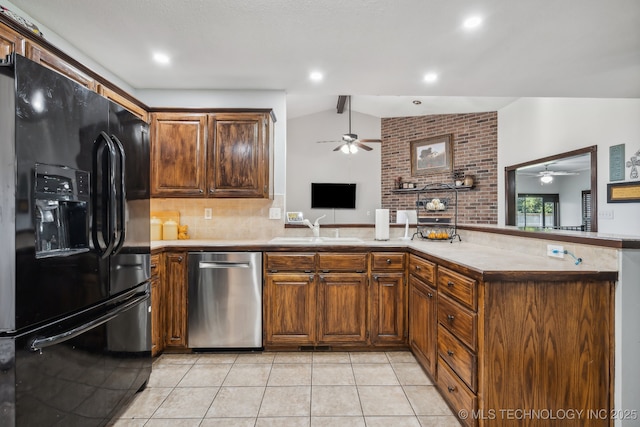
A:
(225, 300)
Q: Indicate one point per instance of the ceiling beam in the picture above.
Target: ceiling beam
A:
(342, 100)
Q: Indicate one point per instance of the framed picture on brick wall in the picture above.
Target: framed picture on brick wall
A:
(432, 155)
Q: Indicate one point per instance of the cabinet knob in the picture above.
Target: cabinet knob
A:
(376, 277)
(201, 191)
(417, 268)
(451, 389)
(311, 277)
(179, 259)
(388, 261)
(211, 191)
(450, 353)
(449, 283)
(450, 318)
(430, 295)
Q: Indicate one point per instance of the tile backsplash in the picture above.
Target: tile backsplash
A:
(232, 219)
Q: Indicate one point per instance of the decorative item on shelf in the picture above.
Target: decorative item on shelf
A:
(183, 232)
(458, 178)
(436, 205)
(398, 182)
(20, 20)
(468, 181)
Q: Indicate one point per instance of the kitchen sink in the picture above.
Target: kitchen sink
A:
(315, 240)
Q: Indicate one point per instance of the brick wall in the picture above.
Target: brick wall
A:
(475, 152)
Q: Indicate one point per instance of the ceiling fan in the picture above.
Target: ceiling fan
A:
(350, 142)
(546, 176)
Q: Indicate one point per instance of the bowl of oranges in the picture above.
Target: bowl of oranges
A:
(437, 234)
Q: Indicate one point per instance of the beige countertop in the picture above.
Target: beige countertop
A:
(483, 259)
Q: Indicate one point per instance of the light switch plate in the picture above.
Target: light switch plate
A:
(275, 213)
(208, 213)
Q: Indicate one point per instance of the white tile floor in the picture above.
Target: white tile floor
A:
(288, 389)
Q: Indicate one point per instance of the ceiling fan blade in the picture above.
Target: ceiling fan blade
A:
(370, 140)
(339, 147)
(333, 142)
(361, 145)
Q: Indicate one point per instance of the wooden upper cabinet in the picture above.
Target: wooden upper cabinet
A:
(119, 99)
(44, 57)
(10, 42)
(239, 155)
(178, 154)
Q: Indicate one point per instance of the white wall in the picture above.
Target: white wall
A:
(532, 128)
(308, 161)
(273, 99)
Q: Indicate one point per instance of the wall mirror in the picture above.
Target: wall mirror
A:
(556, 192)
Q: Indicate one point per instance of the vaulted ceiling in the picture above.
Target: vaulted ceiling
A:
(379, 51)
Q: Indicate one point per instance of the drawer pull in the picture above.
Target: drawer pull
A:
(388, 261)
(450, 353)
(451, 389)
(450, 283)
(154, 266)
(417, 267)
(311, 277)
(376, 277)
(450, 318)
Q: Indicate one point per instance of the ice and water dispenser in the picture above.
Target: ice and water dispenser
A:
(61, 210)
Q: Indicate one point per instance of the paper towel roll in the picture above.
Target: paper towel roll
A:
(382, 224)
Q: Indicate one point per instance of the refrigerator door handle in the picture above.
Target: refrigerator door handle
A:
(109, 239)
(43, 342)
(121, 201)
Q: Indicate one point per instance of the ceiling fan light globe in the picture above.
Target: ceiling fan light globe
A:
(353, 149)
(546, 179)
(345, 149)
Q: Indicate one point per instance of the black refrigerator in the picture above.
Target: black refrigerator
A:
(75, 339)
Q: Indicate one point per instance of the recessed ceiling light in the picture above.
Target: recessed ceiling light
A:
(161, 58)
(417, 102)
(472, 22)
(316, 76)
(430, 77)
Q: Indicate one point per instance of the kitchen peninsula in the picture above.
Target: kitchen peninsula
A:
(495, 329)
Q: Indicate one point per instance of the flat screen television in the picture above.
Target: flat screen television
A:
(333, 195)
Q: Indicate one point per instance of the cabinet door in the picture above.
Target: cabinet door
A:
(176, 298)
(10, 42)
(342, 308)
(157, 306)
(290, 309)
(178, 153)
(238, 157)
(43, 57)
(387, 308)
(422, 323)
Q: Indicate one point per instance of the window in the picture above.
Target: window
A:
(537, 210)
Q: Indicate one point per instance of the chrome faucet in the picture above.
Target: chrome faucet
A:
(315, 227)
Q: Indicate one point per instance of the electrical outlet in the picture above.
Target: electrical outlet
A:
(555, 251)
(275, 213)
(208, 213)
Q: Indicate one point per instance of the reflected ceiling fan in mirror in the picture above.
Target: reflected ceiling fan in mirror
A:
(350, 142)
(546, 176)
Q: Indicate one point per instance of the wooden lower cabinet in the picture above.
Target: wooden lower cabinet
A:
(157, 305)
(176, 299)
(422, 323)
(342, 308)
(388, 314)
(290, 308)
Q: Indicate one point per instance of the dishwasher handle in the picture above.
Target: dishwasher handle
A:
(223, 264)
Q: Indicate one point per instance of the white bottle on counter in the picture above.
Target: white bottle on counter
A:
(170, 230)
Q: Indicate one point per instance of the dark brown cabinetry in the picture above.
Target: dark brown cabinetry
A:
(388, 298)
(176, 299)
(157, 305)
(178, 154)
(211, 155)
(10, 42)
(315, 299)
(43, 56)
(422, 312)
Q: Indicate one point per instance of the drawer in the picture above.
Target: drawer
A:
(423, 269)
(155, 265)
(461, 322)
(328, 262)
(460, 358)
(275, 261)
(387, 261)
(456, 393)
(459, 287)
